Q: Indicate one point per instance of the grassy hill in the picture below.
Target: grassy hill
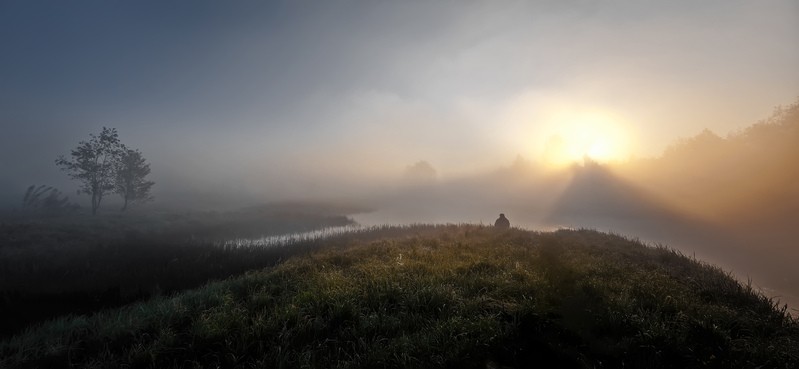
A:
(440, 296)
(79, 264)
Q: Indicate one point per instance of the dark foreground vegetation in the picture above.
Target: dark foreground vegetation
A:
(446, 296)
(50, 266)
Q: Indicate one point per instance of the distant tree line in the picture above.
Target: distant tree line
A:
(103, 165)
(750, 178)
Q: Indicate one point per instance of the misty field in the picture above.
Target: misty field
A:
(460, 296)
(50, 266)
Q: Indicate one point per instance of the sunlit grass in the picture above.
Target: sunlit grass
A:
(441, 296)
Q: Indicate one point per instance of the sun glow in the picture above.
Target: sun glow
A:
(576, 137)
(559, 130)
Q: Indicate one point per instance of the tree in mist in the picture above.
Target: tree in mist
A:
(93, 163)
(46, 199)
(130, 182)
(420, 173)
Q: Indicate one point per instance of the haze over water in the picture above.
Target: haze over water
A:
(633, 118)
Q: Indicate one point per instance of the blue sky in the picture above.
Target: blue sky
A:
(277, 98)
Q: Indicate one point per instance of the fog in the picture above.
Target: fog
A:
(639, 118)
(731, 201)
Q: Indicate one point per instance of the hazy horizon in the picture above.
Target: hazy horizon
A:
(278, 100)
(639, 118)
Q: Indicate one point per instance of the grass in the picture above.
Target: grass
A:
(440, 296)
(80, 264)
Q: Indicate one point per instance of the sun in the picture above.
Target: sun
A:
(573, 138)
(560, 131)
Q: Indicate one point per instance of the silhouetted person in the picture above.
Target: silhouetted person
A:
(502, 222)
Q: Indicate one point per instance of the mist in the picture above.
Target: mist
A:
(288, 183)
(271, 101)
(649, 120)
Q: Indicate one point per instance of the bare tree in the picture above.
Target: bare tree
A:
(130, 182)
(93, 163)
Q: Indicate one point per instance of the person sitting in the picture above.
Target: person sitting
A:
(502, 222)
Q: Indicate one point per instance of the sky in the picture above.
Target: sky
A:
(285, 98)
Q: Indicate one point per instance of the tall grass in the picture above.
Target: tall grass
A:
(440, 296)
(54, 267)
